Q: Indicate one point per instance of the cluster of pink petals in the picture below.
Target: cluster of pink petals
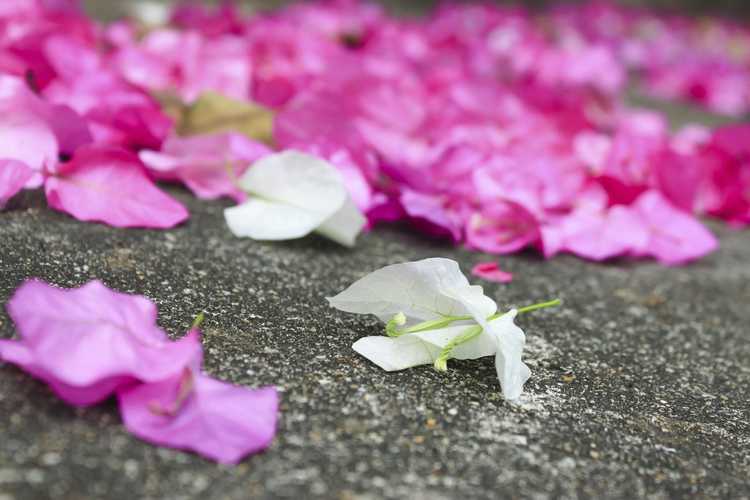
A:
(91, 343)
(677, 57)
(492, 126)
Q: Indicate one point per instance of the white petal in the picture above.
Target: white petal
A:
(392, 354)
(344, 226)
(268, 220)
(480, 346)
(475, 302)
(511, 370)
(422, 290)
(297, 179)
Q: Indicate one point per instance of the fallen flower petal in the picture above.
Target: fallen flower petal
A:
(34, 131)
(291, 195)
(13, 177)
(423, 290)
(215, 113)
(87, 342)
(109, 185)
(195, 412)
(675, 237)
(206, 164)
(512, 372)
(491, 271)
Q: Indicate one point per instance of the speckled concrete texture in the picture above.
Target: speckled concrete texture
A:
(640, 385)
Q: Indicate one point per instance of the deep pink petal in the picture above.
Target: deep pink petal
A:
(502, 227)
(491, 272)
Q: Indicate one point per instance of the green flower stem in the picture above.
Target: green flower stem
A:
(198, 321)
(526, 309)
(391, 328)
(441, 363)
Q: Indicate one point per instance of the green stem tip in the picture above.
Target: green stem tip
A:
(541, 305)
(198, 321)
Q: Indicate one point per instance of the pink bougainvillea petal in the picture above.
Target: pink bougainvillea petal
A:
(34, 131)
(208, 165)
(89, 341)
(13, 177)
(675, 237)
(502, 227)
(110, 185)
(491, 272)
(220, 421)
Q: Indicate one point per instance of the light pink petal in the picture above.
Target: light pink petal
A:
(491, 272)
(110, 186)
(88, 341)
(194, 412)
(207, 164)
(13, 177)
(34, 131)
(26, 136)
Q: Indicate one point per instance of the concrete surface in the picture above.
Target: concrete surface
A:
(640, 385)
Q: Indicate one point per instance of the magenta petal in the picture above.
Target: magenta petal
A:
(109, 185)
(675, 237)
(442, 212)
(13, 177)
(88, 341)
(491, 272)
(503, 227)
(220, 421)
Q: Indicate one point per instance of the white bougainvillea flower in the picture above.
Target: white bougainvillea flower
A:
(429, 289)
(433, 314)
(291, 195)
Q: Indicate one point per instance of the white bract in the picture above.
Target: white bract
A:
(291, 195)
(441, 316)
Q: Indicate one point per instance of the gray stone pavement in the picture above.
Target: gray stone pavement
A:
(640, 385)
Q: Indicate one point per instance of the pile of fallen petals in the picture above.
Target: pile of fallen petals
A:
(492, 126)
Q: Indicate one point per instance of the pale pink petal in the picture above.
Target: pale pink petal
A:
(491, 272)
(13, 177)
(34, 131)
(110, 185)
(208, 164)
(220, 421)
(26, 137)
